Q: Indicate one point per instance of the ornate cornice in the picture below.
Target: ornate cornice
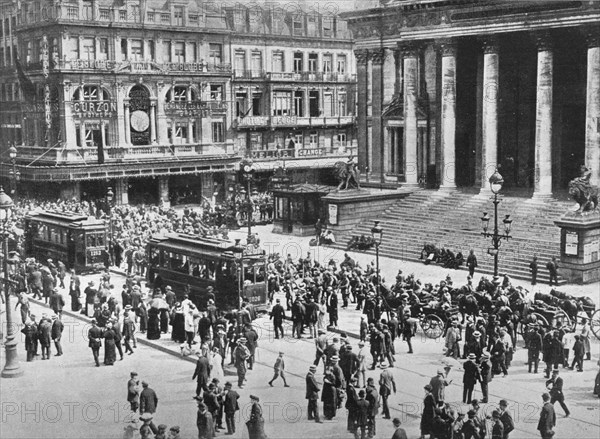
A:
(409, 50)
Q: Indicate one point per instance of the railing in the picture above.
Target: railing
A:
(64, 156)
(303, 153)
(248, 74)
(311, 76)
(293, 121)
(134, 66)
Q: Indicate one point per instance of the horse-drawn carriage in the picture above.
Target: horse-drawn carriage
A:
(434, 320)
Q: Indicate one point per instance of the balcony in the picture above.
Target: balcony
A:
(311, 76)
(81, 156)
(113, 66)
(311, 152)
(249, 74)
(292, 121)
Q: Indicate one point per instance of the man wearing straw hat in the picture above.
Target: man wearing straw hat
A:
(470, 378)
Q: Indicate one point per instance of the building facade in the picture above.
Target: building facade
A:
(143, 96)
(450, 90)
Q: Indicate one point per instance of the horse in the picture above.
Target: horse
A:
(467, 303)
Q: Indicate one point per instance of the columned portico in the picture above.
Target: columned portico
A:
(362, 57)
(489, 127)
(411, 63)
(543, 123)
(448, 115)
(378, 58)
(592, 122)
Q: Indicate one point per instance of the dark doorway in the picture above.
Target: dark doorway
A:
(313, 101)
(143, 190)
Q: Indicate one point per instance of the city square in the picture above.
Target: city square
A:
(348, 219)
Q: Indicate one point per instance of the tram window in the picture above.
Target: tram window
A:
(154, 256)
(91, 240)
(260, 273)
(100, 240)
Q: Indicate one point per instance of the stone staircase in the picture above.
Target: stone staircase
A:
(452, 220)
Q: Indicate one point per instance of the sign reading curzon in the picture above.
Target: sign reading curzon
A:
(94, 108)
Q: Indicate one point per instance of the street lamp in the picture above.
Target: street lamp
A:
(14, 174)
(109, 200)
(247, 169)
(238, 253)
(11, 368)
(377, 234)
(496, 182)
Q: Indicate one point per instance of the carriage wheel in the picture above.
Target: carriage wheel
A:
(562, 317)
(541, 320)
(595, 323)
(424, 323)
(435, 326)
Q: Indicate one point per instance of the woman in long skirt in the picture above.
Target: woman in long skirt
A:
(178, 323)
(216, 369)
(329, 396)
(428, 412)
(110, 354)
(153, 324)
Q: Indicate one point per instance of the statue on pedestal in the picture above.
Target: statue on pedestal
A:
(347, 174)
(583, 192)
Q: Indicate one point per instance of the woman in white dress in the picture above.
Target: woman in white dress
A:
(321, 324)
(216, 369)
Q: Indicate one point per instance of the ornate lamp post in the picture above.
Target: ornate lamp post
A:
(11, 368)
(13, 173)
(247, 168)
(109, 200)
(496, 182)
(377, 234)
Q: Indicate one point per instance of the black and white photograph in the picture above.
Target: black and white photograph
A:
(291, 219)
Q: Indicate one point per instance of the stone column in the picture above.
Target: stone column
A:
(378, 59)
(489, 128)
(362, 56)
(370, 87)
(127, 123)
(81, 134)
(543, 122)
(389, 75)
(592, 131)
(411, 84)
(190, 135)
(448, 115)
(153, 123)
(399, 81)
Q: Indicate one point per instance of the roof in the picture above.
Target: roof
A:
(305, 188)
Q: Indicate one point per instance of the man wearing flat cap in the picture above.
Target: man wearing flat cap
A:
(241, 355)
(312, 394)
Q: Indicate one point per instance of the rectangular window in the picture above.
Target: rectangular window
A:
(327, 63)
(327, 26)
(299, 103)
(123, 49)
(179, 52)
(178, 15)
(217, 132)
(313, 58)
(72, 13)
(241, 102)
(104, 14)
(341, 139)
(314, 139)
(256, 107)
(88, 10)
(150, 16)
(103, 49)
(278, 65)
(192, 56)
(167, 51)
(89, 49)
(165, 18)
(256, 63)
(216, 92)
(328, 109)
(74, 46)
(342, 106)
(298, 24)
(135, 13)
(298, 62)
(282, 103)
(122, 15)
(299, 140)
(216, 53)
(341, 64)
(193, 19)
(137, 50)
(240, 62)
(151, 50)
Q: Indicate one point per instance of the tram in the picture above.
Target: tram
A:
(190, 264)
(77, 240)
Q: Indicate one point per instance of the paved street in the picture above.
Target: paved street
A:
(69, 397)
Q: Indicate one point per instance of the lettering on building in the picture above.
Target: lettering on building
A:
(94, 108)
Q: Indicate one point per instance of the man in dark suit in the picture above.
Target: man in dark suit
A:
(278, 314)
(348, 362)
(399, 432)
(57, 330)
(230, 406)
(470, 378)
(202, 371)
(148, 403)
(555, 385)
(312, 394)
(362, 415)
(506, 418)
(133, 393)
(497, 427)
(547, 418)
(251, 343)
(387, 385)
(95, 341)
(373, 399)
(312, 316)
(534, 346)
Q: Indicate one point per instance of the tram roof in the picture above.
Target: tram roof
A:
(192, 244)
(65, 219)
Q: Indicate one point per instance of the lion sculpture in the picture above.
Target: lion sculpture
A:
(583, 192)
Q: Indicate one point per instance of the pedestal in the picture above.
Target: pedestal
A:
(580, 246)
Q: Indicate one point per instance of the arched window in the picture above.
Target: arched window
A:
(179, 93)
(91, 93)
